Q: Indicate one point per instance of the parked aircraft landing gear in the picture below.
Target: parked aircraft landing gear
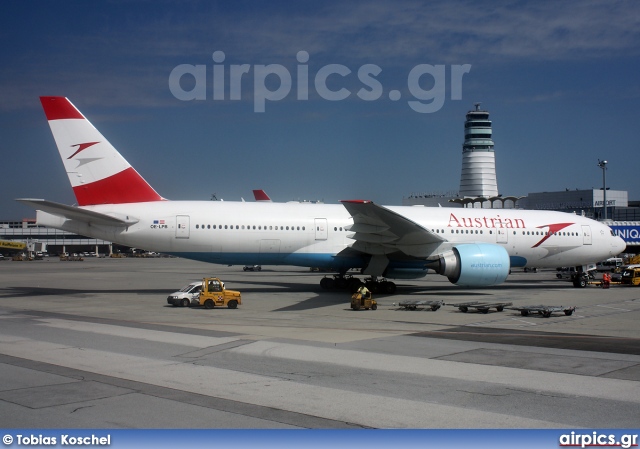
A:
(341, 282)
(580, 280)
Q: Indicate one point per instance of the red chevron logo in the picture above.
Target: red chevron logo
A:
(81, 147)
(553, 228)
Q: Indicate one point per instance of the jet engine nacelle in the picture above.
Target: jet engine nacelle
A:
(475, 264)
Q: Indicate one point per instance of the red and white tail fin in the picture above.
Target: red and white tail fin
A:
(261, 195)
(97, 172)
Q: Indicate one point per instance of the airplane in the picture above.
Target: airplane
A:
(471, 247)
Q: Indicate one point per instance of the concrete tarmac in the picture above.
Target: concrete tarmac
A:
(94, 344)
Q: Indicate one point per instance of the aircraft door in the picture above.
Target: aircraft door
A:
(322, 231)
(182, 226)
(501, 236)
(586, 235)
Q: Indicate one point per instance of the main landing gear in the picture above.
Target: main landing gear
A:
(342, 282)
(581, 279)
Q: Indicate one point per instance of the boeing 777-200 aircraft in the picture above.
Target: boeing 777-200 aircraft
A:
(472, 247)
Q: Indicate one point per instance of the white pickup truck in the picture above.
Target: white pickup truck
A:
(187, 295)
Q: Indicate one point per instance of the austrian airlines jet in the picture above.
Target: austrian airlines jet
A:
(472, 247)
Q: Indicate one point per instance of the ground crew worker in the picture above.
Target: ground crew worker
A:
(606, 280)
(364, 291)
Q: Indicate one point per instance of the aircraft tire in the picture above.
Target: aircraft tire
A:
(582, 283)
(388, 287)
(354, 285)
(340, 283)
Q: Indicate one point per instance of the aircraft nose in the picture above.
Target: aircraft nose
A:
(619, 245)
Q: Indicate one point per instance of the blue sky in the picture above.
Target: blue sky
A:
(560, 80)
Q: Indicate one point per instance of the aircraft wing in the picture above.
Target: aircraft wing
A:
(75, 213)
(378, 230)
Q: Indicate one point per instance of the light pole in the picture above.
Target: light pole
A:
(603, 166)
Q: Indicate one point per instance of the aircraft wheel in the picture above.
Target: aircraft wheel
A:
(340, 283)
(184, 302)
(388, 287)
(524, 312)
(325, 283)
(208, 304)
(354, 285)
(582, 283)
(232, 304)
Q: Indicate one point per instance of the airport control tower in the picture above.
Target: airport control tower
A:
(478, 177)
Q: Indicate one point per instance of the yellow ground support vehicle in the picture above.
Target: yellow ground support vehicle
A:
(359, 302)
(633, 260)
(214, 294)
(631, 276)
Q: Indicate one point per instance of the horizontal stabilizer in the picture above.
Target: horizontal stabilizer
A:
(75, 213)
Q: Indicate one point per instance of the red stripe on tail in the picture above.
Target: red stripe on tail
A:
(59, 108)
(261, 195)
(124, 187)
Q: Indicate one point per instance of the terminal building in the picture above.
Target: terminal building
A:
(584, 202)
(49, 240)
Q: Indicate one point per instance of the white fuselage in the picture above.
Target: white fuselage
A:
(307, 234)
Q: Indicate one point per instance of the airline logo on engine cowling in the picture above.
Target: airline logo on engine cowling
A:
(81, 147)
